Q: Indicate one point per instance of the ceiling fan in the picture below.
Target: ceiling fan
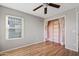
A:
(45, 6)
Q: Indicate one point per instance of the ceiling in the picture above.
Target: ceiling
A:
(28, 8)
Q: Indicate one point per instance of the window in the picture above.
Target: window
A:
(14, 27)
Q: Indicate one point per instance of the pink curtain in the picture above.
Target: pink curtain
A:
(54, 31)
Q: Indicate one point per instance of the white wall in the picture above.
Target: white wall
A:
(70, 28)
(33, 29)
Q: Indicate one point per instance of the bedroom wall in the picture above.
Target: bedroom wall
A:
(33, 29)
(71, 41)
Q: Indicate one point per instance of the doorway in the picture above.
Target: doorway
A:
(56, 29)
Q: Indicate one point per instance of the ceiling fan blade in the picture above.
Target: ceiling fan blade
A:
(37, 7)
(45, 10)
(54, 5)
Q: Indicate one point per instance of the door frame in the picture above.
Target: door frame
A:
(77, 32)
(64, 25)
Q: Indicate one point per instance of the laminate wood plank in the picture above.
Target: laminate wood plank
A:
(41, 49)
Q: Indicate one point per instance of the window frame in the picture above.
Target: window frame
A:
(7, 28)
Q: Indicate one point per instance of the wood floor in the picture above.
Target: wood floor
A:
(41, 49)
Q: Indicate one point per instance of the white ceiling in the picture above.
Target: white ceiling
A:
(28, 8)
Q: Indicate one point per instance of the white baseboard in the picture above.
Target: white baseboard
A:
(21, 47)
(71, 49)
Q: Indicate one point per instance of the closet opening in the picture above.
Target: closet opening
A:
(56, 31)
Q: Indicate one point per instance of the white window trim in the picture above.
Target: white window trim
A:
(8, 26)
